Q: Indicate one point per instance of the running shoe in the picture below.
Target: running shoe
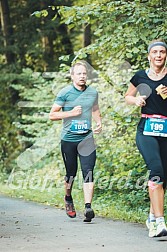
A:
(148, 223)
(152, 229)
(161, 229)
(70, 209)
(89, 214)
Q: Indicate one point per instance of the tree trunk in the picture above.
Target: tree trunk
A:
(66, 42)
(164, 3)
(87, 39)
(50, 34)
(7, 30)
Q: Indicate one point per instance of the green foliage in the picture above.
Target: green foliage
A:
(120, 29)
(9, 145)
(119, 169)
(37, 42)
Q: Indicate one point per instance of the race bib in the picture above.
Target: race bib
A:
(80, 126)
(155, 127)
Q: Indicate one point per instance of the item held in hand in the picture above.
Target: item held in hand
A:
(159, 91)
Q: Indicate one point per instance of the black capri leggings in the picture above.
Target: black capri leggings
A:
(86, 152)
(154, 152)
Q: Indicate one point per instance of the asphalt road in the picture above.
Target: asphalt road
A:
(28, 226)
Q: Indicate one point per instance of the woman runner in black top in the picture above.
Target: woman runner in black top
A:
(151, 137)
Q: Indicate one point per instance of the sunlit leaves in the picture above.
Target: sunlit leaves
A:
(42, 13)
(125, 26)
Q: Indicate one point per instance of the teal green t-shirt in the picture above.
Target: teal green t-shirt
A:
(77, 128)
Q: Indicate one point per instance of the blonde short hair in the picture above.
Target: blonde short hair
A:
(79, 63)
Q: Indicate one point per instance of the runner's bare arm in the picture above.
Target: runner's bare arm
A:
(131, 98)
(97, 118)
(56, 112)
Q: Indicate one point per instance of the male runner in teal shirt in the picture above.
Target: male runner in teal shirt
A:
(76, 104)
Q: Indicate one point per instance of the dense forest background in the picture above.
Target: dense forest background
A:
(39, 42)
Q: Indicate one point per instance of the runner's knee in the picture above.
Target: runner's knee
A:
(154, 185)
(87, 176)
(69, 179)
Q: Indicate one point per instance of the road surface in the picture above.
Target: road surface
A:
(28, 226)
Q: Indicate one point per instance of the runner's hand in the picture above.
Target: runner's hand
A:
(77, 110)
(98, 128)
(140, 101)
(164, 90)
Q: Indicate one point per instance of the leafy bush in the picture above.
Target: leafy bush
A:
(120, 171)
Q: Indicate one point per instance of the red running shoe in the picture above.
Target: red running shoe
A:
(70, 209)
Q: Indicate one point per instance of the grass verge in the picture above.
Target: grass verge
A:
(104, 206)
